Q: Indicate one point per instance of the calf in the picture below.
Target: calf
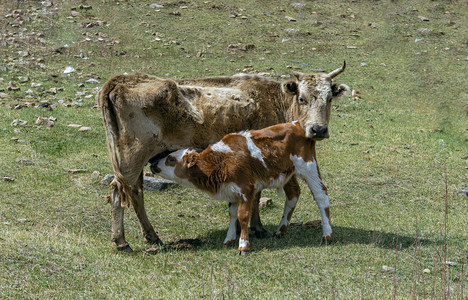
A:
(242, 164)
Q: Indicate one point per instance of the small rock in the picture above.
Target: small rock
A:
(74, 171)
(298, 5)
(422, 18)
(23, 79)
(290, 19)
(95, 174)
(18, 122)
(8, 179)
(425, 30)
(12, 87)
(450, 263)
(364, 64)
(291, 30)
(92, 80)
(74, 126)
(463, 192)
(427, 271)
(46, 3)
(314, 224)
(388, 269)
(84, 128)
(417, 40)
(44, 105)
(69, 70)
(264, 202)
(3, 95)
(25, 162)
(23, 53)
(155, 5)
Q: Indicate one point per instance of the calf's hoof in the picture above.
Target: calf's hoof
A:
(229, 243)
(125, 248)
(326, 240)
(243, 252)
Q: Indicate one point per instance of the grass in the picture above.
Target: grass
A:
(393, 165)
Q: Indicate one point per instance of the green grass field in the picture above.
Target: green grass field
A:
(394, 163)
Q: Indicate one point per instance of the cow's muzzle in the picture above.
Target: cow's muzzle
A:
(318, 132)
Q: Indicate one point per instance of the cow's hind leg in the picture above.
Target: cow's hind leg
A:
(139, 205)
(292, 191)
(118, 236)
(255, 222)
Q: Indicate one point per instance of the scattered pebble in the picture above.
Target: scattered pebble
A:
(427, 271)
(95, 174)
(388, 269)
(74, 171)
(18, 122)
(450, 263)
(8, 179)
(264, 202)
(84, 128)
(463, 192)
(25, 162)
(69, 70)
(74, 126)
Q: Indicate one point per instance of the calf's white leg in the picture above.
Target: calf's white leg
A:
(310, 172)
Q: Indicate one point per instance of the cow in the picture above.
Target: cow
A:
(145, 117)
(242, 164)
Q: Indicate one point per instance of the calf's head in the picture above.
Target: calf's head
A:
(311, 101)
(175, 165)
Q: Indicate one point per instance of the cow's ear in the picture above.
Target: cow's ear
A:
(290, 87)
(339, 90)
(191, 159)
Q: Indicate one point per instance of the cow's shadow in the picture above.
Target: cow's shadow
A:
(303, 236)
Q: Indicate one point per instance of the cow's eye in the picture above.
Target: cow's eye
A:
(301, 100)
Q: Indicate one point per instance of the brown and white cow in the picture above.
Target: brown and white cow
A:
(145, 116)
(243, 164)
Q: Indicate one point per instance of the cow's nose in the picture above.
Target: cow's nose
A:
(319, 131)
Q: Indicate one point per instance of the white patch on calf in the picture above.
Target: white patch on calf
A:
(168, 172)
(221, 147)
(255, 152)
(229, 192)
(243, 243)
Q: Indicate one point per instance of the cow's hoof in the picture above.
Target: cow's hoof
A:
(326, 240)
(263, 234)
(243, 252)
(155, 242)
(277, 235)
(125, 248)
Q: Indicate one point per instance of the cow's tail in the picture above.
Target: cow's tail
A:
(112, 130)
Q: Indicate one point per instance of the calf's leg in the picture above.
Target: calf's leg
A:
(292, 191)
(255, 222)
(243, 215)
(311, 174)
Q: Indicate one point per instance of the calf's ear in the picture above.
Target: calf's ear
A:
(339, 90)
(191, 159)
(289, 87)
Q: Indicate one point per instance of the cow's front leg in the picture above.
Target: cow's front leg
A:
(243, 215)
(231, 234)
(292, 191)
(139, 205)
(255, 222)
(118, 236)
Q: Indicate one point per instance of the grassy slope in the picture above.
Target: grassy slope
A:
(54, 229)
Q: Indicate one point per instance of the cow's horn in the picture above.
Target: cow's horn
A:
(338, 71)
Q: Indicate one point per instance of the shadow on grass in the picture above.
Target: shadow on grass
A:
(302, 236)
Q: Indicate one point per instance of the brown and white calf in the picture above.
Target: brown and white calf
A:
(242, 164)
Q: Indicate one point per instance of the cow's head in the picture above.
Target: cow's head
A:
(311, 100)
(175, 166)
